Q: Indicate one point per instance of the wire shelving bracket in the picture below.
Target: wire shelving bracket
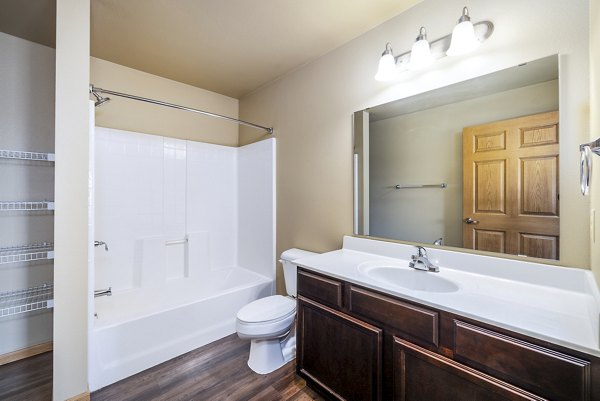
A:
(26, 206)
(27, 253)
(24, 155)
(28, 300)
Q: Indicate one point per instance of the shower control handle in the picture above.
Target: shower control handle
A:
(101, 243)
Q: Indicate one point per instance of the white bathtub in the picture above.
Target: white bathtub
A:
(137, 329)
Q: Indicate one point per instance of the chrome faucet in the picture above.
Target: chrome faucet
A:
(420, 261)
(438, 241)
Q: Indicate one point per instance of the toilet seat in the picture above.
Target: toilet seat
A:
(266, 318)
(267, 310)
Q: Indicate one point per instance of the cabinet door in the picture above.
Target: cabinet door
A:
(420, 374)
(338, 353)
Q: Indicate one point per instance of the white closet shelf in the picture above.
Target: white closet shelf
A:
(27, 253)
(28, 300)
(26, 206)
(24, 155)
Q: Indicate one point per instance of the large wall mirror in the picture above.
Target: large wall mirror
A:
(472, 165)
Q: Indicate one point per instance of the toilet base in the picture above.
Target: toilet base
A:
(269, 355)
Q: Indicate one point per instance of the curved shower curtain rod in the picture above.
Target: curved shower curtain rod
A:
(94, 90)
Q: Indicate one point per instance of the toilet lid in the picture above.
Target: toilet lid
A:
(266, 309)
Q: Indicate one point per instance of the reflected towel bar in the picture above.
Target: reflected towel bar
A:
(442, 185)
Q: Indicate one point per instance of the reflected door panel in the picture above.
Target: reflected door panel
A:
(510, 186)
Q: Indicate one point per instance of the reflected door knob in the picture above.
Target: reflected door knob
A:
(469, 220)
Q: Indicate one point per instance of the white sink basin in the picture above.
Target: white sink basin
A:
(400, 275)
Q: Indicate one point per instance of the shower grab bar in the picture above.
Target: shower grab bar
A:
(177, 241)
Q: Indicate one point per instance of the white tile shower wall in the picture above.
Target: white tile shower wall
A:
(212, 201)
(175, 206)
(256, 207)
(150, 190)
(129, 203)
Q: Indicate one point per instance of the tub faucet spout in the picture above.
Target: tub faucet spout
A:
(103, 293)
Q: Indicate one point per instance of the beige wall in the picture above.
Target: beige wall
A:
(595, 131)
(311, 108)
(72, 186)
(136, 116)
(425, 147)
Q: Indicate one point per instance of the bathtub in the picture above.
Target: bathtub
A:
(136, 329)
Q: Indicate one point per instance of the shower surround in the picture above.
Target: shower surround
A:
(190, 229)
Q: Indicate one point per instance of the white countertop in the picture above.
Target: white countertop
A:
(555, 304)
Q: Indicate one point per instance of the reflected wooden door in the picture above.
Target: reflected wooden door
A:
(510, 186)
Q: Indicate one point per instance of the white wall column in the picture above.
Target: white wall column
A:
(72, 192)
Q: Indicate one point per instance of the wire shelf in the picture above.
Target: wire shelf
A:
(26, 206)
(29, 300)
(27, 253)
(23, 155)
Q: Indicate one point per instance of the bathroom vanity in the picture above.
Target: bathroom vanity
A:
(483, 328)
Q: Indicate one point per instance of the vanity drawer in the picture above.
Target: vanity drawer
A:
(541, 370)
(319, 288)
(419, 323)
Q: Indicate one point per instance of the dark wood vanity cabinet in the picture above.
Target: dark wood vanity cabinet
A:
(358, 344)
(339, 353)
(423, 375)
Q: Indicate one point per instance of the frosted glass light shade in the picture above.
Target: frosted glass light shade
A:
(463, 39)
(387, 68)
(420, 55)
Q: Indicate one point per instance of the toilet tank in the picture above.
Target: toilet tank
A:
(289, 267)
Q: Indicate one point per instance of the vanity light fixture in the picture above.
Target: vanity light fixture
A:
(420, 54)
(387, 65)
(464, 38)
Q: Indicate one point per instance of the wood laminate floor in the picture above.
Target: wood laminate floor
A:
(28, 379)
(217, 371)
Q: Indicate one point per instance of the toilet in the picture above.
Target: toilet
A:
(269, 322)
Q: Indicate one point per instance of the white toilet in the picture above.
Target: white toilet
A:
(269, 322)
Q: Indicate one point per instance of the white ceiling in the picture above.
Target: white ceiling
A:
(227, 46)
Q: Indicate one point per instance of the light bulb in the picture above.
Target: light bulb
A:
(463, 36)
(420, 54)
(387, 65)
